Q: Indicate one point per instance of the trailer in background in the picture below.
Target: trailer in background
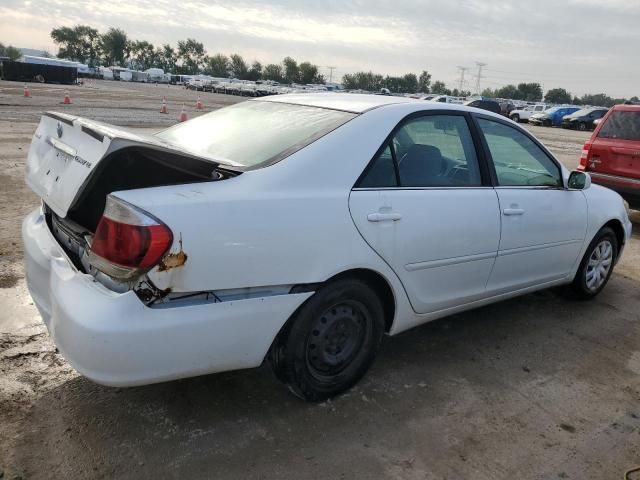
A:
(39, 72)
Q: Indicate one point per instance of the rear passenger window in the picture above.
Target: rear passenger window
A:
(429, 151)
(518, 161)
(621, 125)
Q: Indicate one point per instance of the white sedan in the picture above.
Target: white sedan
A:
(297, 229)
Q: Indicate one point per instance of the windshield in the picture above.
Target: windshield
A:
(552, 110)
(254, 133)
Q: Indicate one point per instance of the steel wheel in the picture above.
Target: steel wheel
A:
(599, 264)
(336, 338)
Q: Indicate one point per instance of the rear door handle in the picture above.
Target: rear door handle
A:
(381, 217)
(513, 211)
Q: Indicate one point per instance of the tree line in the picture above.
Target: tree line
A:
(532, 92)
(87, 45)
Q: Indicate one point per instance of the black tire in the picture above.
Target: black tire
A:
(331, 340)
(582, 127)
(516, 118)
(580, 288)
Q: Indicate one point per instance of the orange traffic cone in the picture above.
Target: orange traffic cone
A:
(26, 91)
(67, 98)
(199, 104)
(183, 115)
(163, 108)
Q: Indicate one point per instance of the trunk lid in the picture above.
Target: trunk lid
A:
(66, 150)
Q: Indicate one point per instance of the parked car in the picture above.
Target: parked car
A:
(447, 99)
(552, 117)
(584, 119)
(297, 229)
(489, 105)
(612, 154)
(523, 114)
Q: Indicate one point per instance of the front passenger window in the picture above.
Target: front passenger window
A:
(518, 161)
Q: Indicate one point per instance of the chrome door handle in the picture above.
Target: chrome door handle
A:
(381, 217)
(513, 211)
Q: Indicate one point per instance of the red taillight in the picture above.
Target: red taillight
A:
(137, 246)
(128, 240)
(584, 157)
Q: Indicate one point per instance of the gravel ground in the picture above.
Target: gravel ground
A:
(535, 387)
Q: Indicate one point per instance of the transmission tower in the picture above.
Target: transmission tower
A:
(480, 66)
(462, 71)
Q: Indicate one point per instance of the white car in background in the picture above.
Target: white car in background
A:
(523, 114)
(298, 229)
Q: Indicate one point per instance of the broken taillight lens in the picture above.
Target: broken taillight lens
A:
(128, 241)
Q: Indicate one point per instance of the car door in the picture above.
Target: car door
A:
(426, 206)
(543, 223)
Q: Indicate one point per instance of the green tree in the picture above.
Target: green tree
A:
(255, 72)
(166, 58)
(599, 100)
(80, 43)
(424, 82)
(487, 92)
(217, 66)
(274, 72)
(558, 95)
(531, 92)
(291, 71)
(115, 46)
(12, 52)
(307, 73)
(440, 88)
(238, 67)
(508, 91)
(142, 54)
(370, 81)
(191, 54)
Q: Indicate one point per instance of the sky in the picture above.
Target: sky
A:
(585, 46)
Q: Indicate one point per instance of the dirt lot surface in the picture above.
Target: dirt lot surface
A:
(536, 387)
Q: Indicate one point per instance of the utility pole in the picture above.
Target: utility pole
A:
(331, 69)
(462, 71)
(480, 66)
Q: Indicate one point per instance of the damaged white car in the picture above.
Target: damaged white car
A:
(297, 229)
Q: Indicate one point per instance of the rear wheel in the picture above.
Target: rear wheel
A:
(596, 266)
(331, 340)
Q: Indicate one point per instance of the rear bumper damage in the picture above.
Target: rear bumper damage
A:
(114, 339)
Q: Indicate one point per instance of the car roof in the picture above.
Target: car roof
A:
(625, 107)
(349, 102)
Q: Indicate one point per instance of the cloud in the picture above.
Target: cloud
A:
(582, 45)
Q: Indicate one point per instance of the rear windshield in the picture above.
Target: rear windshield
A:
(622, 125)
(254, 133)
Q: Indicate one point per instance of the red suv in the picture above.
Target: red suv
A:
(612, 154)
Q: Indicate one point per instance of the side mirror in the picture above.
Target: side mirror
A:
(579, 180)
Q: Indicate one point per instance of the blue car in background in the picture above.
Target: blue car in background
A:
(552, 117)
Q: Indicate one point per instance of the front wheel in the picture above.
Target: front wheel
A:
(515, 117)
(596, 265)
(330, 341)
(582, 127)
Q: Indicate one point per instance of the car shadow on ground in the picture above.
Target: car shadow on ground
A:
(509, 371)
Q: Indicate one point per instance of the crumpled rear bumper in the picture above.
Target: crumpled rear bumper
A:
(114, 339)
